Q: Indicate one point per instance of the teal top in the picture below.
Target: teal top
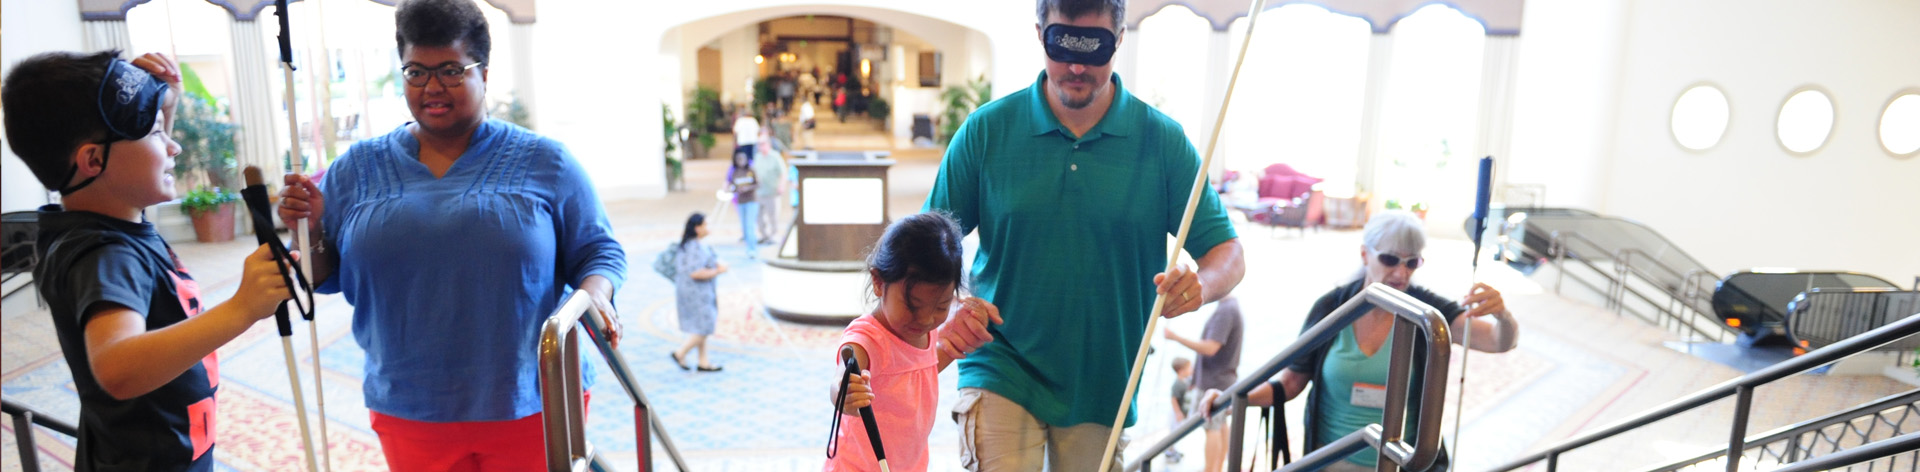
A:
(1345, 366)
(1072, 231)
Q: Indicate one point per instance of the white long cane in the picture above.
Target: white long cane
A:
(1482, 199)
(1173, 255)
(306, 264)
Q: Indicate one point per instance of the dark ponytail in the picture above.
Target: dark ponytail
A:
(693, 225)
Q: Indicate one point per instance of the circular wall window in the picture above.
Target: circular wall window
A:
(1900, 124)
(1805, 121)
(1700, 117)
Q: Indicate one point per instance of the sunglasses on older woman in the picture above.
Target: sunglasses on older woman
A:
(1390, 260)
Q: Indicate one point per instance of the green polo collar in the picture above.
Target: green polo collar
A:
(1115, 123)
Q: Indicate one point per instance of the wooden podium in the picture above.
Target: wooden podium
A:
(843, 212)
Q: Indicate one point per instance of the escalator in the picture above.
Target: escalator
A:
(1757, 301)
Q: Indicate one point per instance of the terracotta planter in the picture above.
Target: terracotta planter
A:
(213, 226)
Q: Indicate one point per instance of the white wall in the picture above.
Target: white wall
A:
(1597, 82)
(32, 28)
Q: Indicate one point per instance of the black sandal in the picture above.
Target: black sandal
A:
(676, 360)
(709, 368)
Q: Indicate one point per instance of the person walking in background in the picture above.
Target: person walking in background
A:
(1215, 369)
(694, 292)
(769, 171)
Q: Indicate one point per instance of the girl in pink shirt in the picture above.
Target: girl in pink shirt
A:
(916, 272)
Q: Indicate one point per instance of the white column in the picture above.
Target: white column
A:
(255, 106)
(1379, 65)
(1220, 58)
(1499, 65)
(108, 34)
(1126, 60)
(523, 69)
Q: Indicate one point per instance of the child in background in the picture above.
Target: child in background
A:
(129, 317)
(693, 292)
(1182, 383)
(916, 272)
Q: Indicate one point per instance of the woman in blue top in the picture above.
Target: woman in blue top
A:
(454, 237)
(1351, 372)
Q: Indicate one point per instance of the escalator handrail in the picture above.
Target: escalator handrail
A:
(1649, 229)
(1430, 325)
(1854, 345)
(559, 371)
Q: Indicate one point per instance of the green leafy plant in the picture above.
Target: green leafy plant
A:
(879, 109)
(703, 115)
(668, 127)
(763, 93)
(960, 101)
(1419, 207)
(206, 139)
(204, 199)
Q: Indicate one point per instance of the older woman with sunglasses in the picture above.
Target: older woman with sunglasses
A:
(1351, 372)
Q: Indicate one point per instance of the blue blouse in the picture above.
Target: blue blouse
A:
(451, 277)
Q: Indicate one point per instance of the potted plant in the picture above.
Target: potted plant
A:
(703, 115)
(879, 109)
(670, 134)
(1420, 210)
(212, 212)
(960, 102)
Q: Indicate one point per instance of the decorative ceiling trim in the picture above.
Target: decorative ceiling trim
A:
(518, 11)
(1498, 17)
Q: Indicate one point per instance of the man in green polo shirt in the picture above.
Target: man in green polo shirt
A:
(1076, 188)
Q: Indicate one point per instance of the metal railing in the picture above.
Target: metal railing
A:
(23, 420)
(1822, 316)
(1904, 443)
(1741, 389)
(564, 407)
(1858, 426)
(1412, 318)
(1681, 311)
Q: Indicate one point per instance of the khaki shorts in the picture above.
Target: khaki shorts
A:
(998, 435)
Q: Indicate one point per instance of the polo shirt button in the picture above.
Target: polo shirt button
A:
(1073, 167)
(1076, 147)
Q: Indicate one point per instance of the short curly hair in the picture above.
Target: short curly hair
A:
(436, 23)
(53, 97)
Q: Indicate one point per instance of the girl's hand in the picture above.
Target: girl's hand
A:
(859, 394)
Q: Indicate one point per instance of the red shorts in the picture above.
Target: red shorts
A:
(512, 445)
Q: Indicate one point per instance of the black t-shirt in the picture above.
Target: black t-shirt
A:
(88, 260)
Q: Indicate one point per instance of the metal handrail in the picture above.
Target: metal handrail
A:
(1617, 288)
(1740, 388)
(1877, 449)
(1412, 318)
(563, 406)
(23, 419)
(1786, 432)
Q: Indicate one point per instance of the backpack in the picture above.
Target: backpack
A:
(666, 263)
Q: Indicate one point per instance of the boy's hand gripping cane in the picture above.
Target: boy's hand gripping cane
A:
(1173, 256)
(866, 412)
(255, 195)
(300, 234)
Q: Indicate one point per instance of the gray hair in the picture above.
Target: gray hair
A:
(1395, 232)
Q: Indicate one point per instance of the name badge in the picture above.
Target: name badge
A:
(1369, 395)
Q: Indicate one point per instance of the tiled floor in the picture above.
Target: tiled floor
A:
(1578, 367)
